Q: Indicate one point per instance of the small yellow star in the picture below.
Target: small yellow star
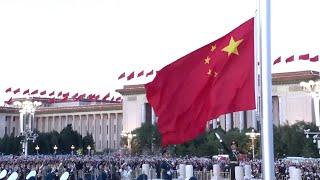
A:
(207, 60)
(209, 72)
(215, 74)
(232, 48)
(213, 47)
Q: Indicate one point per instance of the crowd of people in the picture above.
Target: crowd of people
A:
(115, 167)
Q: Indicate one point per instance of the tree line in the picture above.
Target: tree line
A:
(288, 141)
(46, 141)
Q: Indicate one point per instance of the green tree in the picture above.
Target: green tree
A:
(147, 139)
(88, 141)
(69, 137)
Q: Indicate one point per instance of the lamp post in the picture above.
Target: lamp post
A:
(313, 87)
(55, 148)
(316, 137)
(26, 122)
(89, 150)
(37, 149)
(253, 136)
(129, 136)
(72, 149)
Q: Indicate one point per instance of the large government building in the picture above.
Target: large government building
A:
(108, 121)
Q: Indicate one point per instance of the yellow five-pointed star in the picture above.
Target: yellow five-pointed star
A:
(213, 47)
(232, 48)
(209, 72)
(207, 60)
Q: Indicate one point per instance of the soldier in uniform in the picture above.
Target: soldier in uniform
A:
(165, 167)
(233, 153)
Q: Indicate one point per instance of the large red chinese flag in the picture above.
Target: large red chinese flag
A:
(213, 80)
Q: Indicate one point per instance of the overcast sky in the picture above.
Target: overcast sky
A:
(83, 46)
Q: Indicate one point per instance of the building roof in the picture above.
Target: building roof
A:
(68, 109)
(87, 108)
(294, 77)
(11, 110)
(132, 89)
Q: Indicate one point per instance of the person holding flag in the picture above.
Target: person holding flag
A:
(233, 152)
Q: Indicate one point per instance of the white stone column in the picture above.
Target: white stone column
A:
(228, 122)
(146, 170)
(153, 117)
(216, 172)
(73, 122)
(214, 123)
(189, 171)
(241, 121)
(316, 110)
(247, 171)
(143, 113)
(21, 121)
(238, 171)
(182, 171)
(282, 110)
(254, 124)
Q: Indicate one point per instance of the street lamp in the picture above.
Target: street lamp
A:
(26, 122)
(55, 149)
(129, 136)
(315, 137)
(72, 149)
(37, 149)
(89, 149)
(313, 87)
(253, 136)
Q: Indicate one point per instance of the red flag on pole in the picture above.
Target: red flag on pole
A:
(131, 76)
(278, 60)
(52, 93)
(64, 99)
(118, 98)
(34, 92)
(74, 96)
(52, 100)
(16, 91)
(314, 59)
(106, 97)
(8, 90)
(9, 102)
(211, 80)
(122, 76)
(149, 73)
(60, 93)
(290, 59)
(43, 92)
(141, 73)
(25, 92)
(304, 57)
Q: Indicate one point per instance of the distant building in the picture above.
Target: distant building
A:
(107, 121)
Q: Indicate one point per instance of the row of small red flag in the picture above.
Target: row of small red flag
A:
(64, 96)
(131, 75)
(305, 57)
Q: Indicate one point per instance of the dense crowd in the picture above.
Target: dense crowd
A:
(127, 167)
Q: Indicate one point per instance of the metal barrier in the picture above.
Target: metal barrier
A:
(94, 174)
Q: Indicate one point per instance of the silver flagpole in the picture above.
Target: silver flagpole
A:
(267, 121)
